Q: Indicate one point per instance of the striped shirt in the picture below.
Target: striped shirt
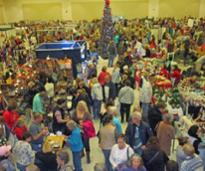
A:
(192, 164)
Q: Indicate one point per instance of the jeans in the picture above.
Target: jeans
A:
(21, 167)
(86, 143)
(145, 109)
(202, 154)
(125, 108)
(96, 108)
(77, 161)
(110, 61)
(107, 161)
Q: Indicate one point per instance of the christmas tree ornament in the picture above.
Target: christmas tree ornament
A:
(107, 33)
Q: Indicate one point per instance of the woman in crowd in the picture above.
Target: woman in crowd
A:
(120, 153)
(23, 152)
(154, 158)
(76, 144)
(136, 164)
(59, 122)
(107, 138)
(194, 137)
(83, 117)
(165, 133)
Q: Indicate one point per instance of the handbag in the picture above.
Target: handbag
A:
(89, 129)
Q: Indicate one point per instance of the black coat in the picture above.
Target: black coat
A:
(46, 161)
(154, 117)
(159, 161)
(112, 91)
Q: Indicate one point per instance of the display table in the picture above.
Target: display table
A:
(53, 141)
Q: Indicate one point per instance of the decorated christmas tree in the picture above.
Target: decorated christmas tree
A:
(107, 29)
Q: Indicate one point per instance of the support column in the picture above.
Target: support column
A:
(67, 10)
(153, 8)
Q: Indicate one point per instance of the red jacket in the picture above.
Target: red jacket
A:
(88, 129)
(101, 77)
(10, 118)
(19, 132)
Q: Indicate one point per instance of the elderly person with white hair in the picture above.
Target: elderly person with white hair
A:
(165, 133)
(138, 133)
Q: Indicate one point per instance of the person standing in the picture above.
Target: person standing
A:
(102, 76)
(112, 53)
(38, 102)
(145, 97)
(154, 158)
(120, 153)
(38, 132)
(194, 137)
(165, 133)
(97, 96)
(107, 138)
(76, 144)
(83, 117)
(112, 88)
(112, 110)
(126, 99)
(23, 152)
(116, 76)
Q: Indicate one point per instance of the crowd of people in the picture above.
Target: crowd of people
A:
(100, 98)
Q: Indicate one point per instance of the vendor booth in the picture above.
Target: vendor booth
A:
(74, 50)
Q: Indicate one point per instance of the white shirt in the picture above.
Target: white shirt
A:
(146, 92)
(97, 92)
(119, 156)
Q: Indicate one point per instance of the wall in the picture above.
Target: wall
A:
(179, 8)
(17, 10)
(202, 8)
(1, 14)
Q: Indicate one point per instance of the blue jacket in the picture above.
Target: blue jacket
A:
(145, 132)
(117, 124)
(75, 140)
